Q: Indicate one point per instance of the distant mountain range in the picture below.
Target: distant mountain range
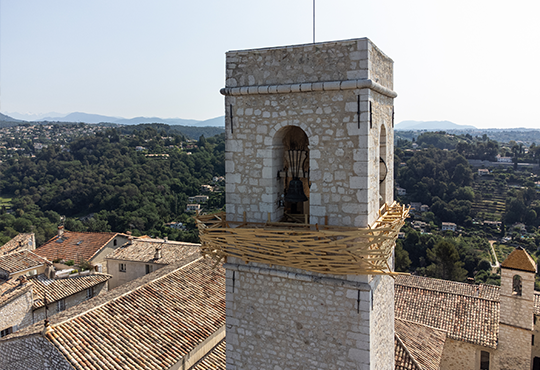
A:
(96, 118)
(5, 118)
(431, 126)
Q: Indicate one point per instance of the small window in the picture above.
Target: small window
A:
(115, 242)
(148, 269)
(89, 292)
(5, 332)
(122, 267)
(484, 360)
(516, 285)
(61, 305)
(532, 341)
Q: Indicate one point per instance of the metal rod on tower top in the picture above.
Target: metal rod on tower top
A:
(313, 21)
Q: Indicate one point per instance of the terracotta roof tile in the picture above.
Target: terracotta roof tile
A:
(213, 360)
(12, 289)
(165, 316)
(425, 344)
(74, 245)
(519, 259)
(18, 243)
(403, 359)
(21, 260)
(145, 251)
(58, 289)
(463, 317)
(485, 291)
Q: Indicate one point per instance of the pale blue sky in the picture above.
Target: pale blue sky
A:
(471, 62)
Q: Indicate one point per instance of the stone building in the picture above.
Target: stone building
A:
(74, 246)
(142, 256)
(173, 318)
(309, 169)
(22, 300)
(22, 262)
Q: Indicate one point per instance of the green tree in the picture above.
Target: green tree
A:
(446, 262)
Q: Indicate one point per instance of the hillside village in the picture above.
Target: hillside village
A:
(272, 281)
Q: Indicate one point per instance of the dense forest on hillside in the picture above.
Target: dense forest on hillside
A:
(139, 178)
(105, 181)
(436, 172)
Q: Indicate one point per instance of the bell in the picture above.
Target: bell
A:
(295, 193)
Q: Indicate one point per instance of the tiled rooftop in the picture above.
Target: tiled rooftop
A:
(150, 322)
(402, 357)
(485, 291)
(425, 344)
(152, 327)
(213, 360)
(519, 259)
(21, 260)
(463, 317)
(18, 243)
(58, 289)
(144, 250)
(74, 245)
(12, 289)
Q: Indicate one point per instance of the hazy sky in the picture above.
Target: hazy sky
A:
(471, 62)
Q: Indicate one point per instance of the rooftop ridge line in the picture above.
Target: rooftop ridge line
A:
(442, 291)
(122, 295)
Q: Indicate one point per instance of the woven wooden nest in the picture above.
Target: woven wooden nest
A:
(317, 248)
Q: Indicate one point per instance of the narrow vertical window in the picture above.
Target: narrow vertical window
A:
(89, 292)
(148, 268)
(484, 360)
(5, 332)
(122, 267)
(516, 285)
(60, 305)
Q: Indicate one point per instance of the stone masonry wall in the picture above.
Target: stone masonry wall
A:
(17, 313)
(459, 355)
(382, 323)
(514, 348)
(517, 310)
(31, 353)
(344, 153)
(282, 320)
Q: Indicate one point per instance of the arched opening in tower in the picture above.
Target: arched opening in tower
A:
(295, 174)
(383, 167)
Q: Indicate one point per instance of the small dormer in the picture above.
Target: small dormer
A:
(518, 273)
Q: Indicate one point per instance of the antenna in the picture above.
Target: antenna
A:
(313, 21)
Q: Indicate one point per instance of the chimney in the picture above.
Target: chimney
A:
(165, 239)
(60, 231)
(22, 280)
(157, 255)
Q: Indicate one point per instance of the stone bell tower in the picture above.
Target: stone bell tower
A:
(310, 226)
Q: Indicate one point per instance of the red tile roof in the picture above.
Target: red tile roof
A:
(425, 344)
(151, 327)
(519, 259)
(213, 360)
(58, 289)
(18, 243)
(481, 290)
(463, 317)
(145, 251)
(21, 260)
(402, 358)
(75, 245)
